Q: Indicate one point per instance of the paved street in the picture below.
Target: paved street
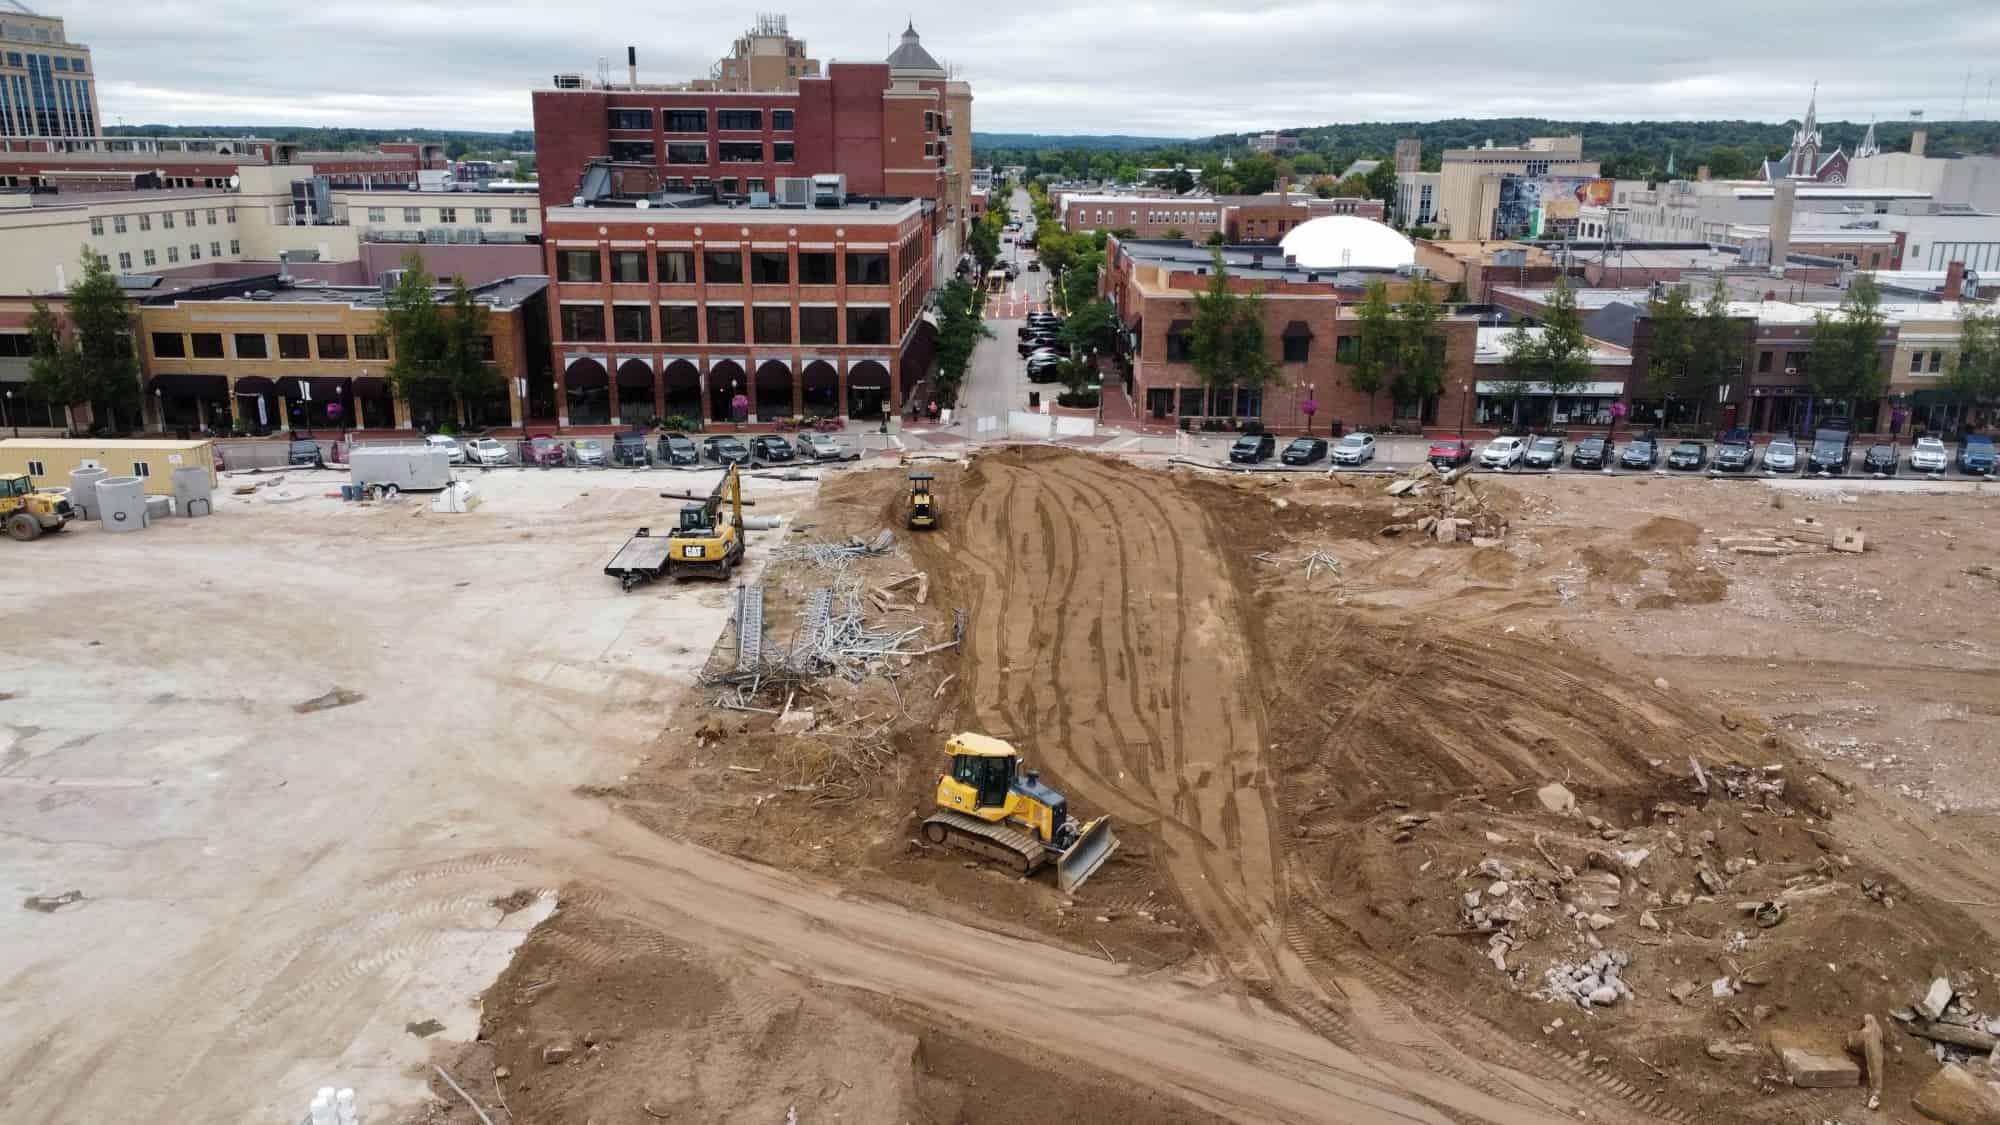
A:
(997, 381)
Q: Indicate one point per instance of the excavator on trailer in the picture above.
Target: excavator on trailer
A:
(707, 540)
(923, 505)
(989, 806)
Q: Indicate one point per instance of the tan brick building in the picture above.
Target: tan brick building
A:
(276, 357)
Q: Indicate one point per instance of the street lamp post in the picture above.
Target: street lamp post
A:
(160, 407)
(1462, 389)
(12, 417)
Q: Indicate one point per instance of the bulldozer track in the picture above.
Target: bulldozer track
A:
(994, 841)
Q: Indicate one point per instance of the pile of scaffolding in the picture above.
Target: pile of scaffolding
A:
(834, 636)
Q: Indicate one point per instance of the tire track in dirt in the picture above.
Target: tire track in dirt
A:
(1114, 602)
(1114, 653)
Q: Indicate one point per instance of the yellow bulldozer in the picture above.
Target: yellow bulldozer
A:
(923, 505)
(26, 511)
(989, 806)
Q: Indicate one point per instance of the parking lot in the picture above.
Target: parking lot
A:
(289, 758)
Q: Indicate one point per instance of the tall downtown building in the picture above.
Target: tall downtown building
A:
(48, 85)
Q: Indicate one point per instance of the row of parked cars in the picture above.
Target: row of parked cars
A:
(632, 450)
(1829, 451)
(1354, 449)
(1042, 345)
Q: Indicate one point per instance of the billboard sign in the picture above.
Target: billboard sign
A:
(1545, 206)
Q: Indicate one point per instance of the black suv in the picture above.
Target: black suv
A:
(1733, 451)
(1640, 454)
(676, 449)
(1831, 451)
(770, 447)
(1591, 453)
(303, 452)
(1880, 458)
(1252, 448)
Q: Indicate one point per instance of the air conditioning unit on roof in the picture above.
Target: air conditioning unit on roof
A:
(792, 191)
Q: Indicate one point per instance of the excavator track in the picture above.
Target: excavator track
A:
(1018, 850)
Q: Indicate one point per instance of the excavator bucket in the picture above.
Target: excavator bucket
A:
(1093, 846)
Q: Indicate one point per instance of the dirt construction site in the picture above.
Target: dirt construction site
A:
(1439, 799)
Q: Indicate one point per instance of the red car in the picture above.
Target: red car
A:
(545, 450)
(1449, 453)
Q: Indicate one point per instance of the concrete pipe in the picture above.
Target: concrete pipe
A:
(121, 503)
(83, 490)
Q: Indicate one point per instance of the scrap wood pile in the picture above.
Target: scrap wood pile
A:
(1807, 536)
(1448, 507)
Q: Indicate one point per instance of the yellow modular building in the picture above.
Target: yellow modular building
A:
(49, 461)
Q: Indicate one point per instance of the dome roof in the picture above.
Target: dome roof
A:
(1331, 242)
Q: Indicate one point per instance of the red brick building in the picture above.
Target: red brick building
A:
(677, 309)
(1311, 331)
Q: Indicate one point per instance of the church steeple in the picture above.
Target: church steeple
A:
(1868, 147)
(1804, 161)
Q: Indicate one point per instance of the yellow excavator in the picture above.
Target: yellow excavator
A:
(923, 503)
(707, 540)
(989, 806)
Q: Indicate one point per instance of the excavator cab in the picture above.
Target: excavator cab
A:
(695, 519)
(923, 502)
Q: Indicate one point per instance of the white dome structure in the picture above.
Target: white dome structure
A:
(1333, 242)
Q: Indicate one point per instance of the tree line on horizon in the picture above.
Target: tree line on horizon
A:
(1625, 149)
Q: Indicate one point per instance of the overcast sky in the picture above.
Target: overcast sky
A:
(1158, 68)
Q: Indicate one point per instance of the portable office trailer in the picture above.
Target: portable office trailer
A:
(49, 461)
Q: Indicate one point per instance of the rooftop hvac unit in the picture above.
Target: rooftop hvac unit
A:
(760, 199)
(390, 278)
(569, 81)
(793, 191)
(829, 190)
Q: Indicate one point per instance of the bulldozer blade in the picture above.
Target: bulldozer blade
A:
(1093, 846)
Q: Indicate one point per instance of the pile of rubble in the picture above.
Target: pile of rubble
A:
(1807, 536)
(1448, 507)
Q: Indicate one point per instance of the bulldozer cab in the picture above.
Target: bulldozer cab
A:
(988, 777)
(923, 506)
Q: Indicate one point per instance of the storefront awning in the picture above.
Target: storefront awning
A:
(251, 385)
(316, 388)
(371, 386)
(1581, 390)
(189, 386)
(1297, 328)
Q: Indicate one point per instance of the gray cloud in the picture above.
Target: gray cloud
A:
(1154, 67)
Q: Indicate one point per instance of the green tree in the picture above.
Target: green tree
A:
(1718, 343)
(1420, 369)
(419, 344)
(1309, 164)
(97, 361)
(1256, 174)
(1564, 351)
(1382, 183)
(1975, 377)
(1842, 361)
(1091, 329)
(53, 365)
(1521, 359)
(1226, 342)
(983, 240)
(1353, 187)
(1728, 163)
(959, 331)
(468, 342)
(1378, 349)
(1217, 238)
(1128, 173)
(1173, 232)
(1179, 181)
(1671, 350)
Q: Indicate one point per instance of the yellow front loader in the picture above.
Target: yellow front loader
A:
(26, 511)
(989, 806)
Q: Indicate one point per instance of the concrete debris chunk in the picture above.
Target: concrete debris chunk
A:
(1398, 487)
(1817, 1070)
(1957, 1096)
(1935, 1000)
(1556, 798)
(559, 1052)
(1866, 1041)
(1848, 540)
(1722, 1050)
